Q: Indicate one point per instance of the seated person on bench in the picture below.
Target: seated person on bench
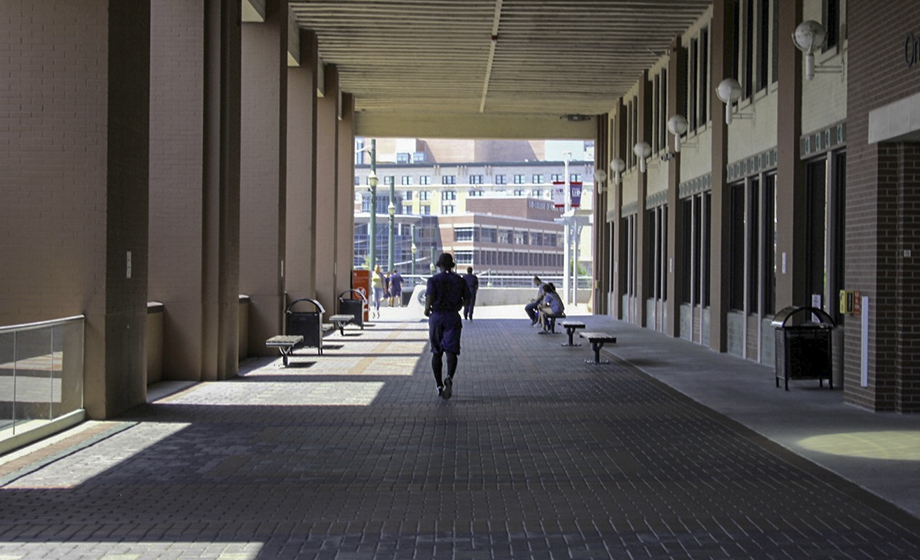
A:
(551, 306)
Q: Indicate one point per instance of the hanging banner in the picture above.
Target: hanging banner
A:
(559, 194)
(575, 193)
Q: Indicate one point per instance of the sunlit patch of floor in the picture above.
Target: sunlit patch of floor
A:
(889, 445)
(260, 393)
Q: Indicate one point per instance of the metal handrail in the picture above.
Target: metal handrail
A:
(41, 324)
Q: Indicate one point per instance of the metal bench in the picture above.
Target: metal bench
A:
(341, 320)
(285, 344)
(597, 340)
(549, 322)
(570, 327)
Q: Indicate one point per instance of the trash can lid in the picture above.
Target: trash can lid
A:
(783, 316)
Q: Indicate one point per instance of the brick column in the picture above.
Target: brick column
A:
(74, 180)
(264, 173)
(790, 172)
(301, 165)
(221, 217)
(677, 97)
(345, 226)
(643, 134)
(720, 247)
(326, 186)
(177, 195)
(619, 250)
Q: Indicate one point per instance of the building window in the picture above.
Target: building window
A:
(418, 157)
(407, 195)
(753, 245)
(424, 195)
(407, 210)
(518, 192)
(536, 238)
(763, 44)
(475, 179)
(403, 157)
(536, 193)
(501, 180)
(448, 179)
(693, 86)
(474, 192)
(736, 258)
(449, 195)
(406, 180)
(464, 234)
(575, 178)
(537, 179)
(424, 210)
(424, 180)
(555, 177)
(518, 179)
(464, 257)
(388, 180)
(704, 78)
(448, 209)
(831, 16)
(357, 181)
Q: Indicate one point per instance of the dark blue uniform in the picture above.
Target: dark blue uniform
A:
(445, 293)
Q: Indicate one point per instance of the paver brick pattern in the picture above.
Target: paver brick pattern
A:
(351, 456)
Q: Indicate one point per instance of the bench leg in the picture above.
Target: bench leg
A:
(571, 333)
(596, 346)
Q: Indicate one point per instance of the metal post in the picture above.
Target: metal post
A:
(413, 249)
(566, 231)
(372, 227)
(391, 211)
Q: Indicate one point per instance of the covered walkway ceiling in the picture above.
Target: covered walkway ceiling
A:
(504, 68)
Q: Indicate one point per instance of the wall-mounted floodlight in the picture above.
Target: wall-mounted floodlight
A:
(643, 150)
(600, 177)
(617, 166)
(810, 36)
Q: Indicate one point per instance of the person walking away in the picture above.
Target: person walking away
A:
(445, 294)
(472, 282)
(386, 287)
(551, 305)
(396, 282)
(531, 308)
(377, 285)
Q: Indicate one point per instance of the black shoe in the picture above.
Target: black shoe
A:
(448, 386)
(441, 391)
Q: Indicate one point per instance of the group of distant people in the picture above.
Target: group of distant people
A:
(547, 303)
(388, 286)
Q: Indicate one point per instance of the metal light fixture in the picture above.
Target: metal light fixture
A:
(809, 36)
(728, 91)
(617, 166)
(372, 180)
(643, 150)
(678, 125)
(600, 177)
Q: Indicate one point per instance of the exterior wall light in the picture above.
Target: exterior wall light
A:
(809, 36)
(677, 125)
(617, 166)
(729, 91)
(643, 150)
(600, 177)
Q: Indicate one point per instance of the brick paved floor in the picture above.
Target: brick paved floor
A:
(352, 456)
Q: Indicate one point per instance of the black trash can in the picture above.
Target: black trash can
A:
(803, 345)
(354, 307)
(308, 324)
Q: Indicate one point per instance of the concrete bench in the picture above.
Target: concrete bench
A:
(570, 327)
(285, 344)
(341, 320)
(597, 340)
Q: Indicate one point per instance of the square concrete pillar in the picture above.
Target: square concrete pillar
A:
(74, 183)
(263, 173)
(326, 201)
(677, 97)
(299, 266)
(345, 226)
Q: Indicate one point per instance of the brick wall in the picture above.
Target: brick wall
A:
(877, 180)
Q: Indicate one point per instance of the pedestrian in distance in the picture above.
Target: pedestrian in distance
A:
(531, 307)
(472, 282)
(377, 285)
(396, 282)
(445, 295)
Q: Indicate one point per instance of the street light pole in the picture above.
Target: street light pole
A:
(414, 249)
(391, 211)
(372, 226)
(566, 231)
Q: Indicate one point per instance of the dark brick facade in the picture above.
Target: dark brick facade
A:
(882, 200)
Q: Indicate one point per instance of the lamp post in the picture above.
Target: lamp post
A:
(566, 245)
(391, 212)
(414, 249)
(372, 226)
